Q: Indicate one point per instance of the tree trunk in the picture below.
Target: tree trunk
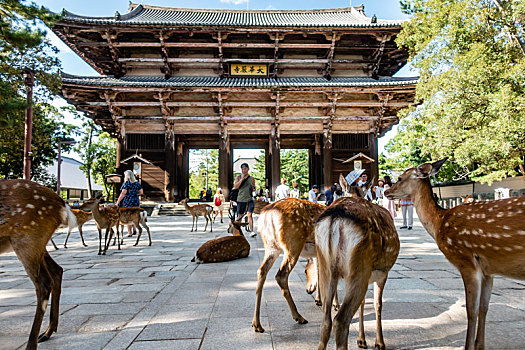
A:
(88, 165)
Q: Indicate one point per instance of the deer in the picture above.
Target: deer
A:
(285, 226)
(199, 210)
(224, 248)
(355, 240)
(136, 216)
(480, 239)
(105, 218)
(82, 217)
(29, 215)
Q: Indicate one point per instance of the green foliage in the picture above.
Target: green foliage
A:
(48, 130)
(259, 173)
(207, 168)
(471, 89)
(294, 167)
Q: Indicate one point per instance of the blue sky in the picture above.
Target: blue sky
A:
(71, 63)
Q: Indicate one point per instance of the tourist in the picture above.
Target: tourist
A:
(245, 204)
(129, 195)
(407, 209)
(209, 193)
(378, 190)
(218, 204)
(329, 194)
(338, 191)
(313, 194)
(295, 192)
(389, 204)
(363, 183)
(282, 191)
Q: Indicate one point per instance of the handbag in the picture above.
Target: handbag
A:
(234, 193)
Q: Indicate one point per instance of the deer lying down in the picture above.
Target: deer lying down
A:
(356, 240)
(481, 240)
(29, 215)
(224, 248)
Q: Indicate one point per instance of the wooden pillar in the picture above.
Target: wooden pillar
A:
(275, 165)
(327, 165)
(267, 168)
(374, 167)
(225, 170)
(169, 170)
(181, 170)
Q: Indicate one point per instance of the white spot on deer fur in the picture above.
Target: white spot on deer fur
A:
(521, 232)
(26, 185)
(4, 187)
(16, 185)
(30, 206)
(43, 198)
(33, 223)
(36, 196)
(500, 215)
(490, 221)
(518, 247)
(18, 210)
(449, 241)
(447, 224)
(508, 249)
(467, 244)
(506, 227)
(496, 247)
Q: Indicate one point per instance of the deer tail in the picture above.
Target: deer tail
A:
(68, 218)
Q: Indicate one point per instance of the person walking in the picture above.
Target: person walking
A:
(218, 204)
(379, 192)
(313, 194)
(407, 209)
(245, 204)
(329, 194)
(129, 195)
(295, 192)
(389, 204)
(282, 191)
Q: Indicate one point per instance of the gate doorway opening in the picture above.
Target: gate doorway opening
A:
(203, 173)
(295, 167)
(256, 159)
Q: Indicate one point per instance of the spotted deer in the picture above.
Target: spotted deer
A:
(481, 239)
(356, 240)
(136, 216)
(285, 226)
(199, 210)
(105, 218)
(224, 248)
(82, 217)
(29, 215)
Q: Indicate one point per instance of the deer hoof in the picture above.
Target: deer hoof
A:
(258, 328)
(301, 320)
(318, 303)
(149, 244)
(337, 307)
(43, 337)
(380, 347)
(85, 245)
(135, 244)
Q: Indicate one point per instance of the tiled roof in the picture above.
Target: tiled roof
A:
(214, 81)
(168, 16)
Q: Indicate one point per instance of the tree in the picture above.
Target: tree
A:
(294, 167)
(472, 85)
(104, 159)
(206, 173)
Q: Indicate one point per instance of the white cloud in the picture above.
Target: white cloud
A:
(234, 2)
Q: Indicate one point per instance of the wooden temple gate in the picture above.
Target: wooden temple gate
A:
(177, 79)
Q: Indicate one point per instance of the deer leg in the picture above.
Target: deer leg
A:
(206, 227)
(486, 290)
(193, 223)
(81, 237)
(211, 222)
(53, 243)
(361, 338)
(140, 233)
(379, 286)
(106, 240)
(355, 290)
(262, 272)
(327, 285)
(119, 235)
(147, 229)
(472, 279)
(122, 234)
(55, 271)
(287, 266)
(32, 257)
(100, 241)
(67, 237)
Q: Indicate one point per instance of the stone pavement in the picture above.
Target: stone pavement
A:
(155, 298)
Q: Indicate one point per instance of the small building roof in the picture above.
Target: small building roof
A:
(237, 163)
(360, 156)
(135, 158)
(139, 14)
(71, 176)
(215, 81)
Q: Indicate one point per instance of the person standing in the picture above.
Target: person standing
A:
(129, 195)
(282, 191)
(379, 191)
(389, 204)
(329, 194)
(295, 192)
(313, 194)
(218, 204)
(363, 180)
(407, 209)
(245, 204)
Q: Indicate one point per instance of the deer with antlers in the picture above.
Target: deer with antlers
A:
(480, 239)
(356, 240)
(199, 210)
(285, 226)
(29, 215)
(224, 248)
(105, 218)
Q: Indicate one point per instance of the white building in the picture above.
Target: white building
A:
(73, 184)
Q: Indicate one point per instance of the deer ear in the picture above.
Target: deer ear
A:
(428, 169)
(343, 183)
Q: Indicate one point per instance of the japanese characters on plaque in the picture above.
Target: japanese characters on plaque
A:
(243, 69)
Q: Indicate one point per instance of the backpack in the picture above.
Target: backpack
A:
(217, 201)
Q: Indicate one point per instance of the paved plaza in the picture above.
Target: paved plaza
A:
(156, 298)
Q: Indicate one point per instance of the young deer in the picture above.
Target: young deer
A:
(29, 215)
(480, 239)
(224, 248)
(285, 226)
(105, 218)
(82, 217)
(357, 241)
(199, 210)
(136, 216)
